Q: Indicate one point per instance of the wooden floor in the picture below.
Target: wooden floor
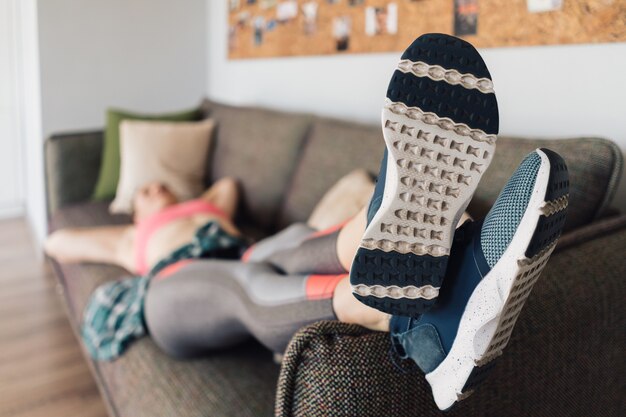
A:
(42, 370)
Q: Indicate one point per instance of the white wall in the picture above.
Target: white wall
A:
(555, 91)
(29, 116)
(148, 55)
(80, 57)
(11, 196)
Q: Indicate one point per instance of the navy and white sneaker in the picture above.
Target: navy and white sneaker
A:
(493, 267)
(440, 121)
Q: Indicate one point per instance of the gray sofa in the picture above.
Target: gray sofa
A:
(566, 356)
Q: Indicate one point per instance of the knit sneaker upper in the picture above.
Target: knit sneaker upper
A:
(505, 215)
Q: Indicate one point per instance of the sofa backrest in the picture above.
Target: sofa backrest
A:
(287, 161)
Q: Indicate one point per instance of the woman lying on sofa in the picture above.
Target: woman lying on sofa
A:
(448, 296)
(161, 225)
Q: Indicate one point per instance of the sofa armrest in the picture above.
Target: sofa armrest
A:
(72, 167)
(602, 227)
(565, 356)
(336, 369)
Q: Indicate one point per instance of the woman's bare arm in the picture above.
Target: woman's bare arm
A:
(224, 194)
(108, 244)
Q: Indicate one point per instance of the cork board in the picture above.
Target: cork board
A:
(271, 28)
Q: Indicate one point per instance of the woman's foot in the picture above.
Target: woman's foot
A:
(493, 267)
(440, 122)
(349, 310)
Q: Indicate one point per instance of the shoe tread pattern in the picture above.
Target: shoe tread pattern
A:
(401, 307)
(479, 110)
(470, 107)
(448, 52)
(436, 171)
(558, 185)
(549, 227)
(377, 267)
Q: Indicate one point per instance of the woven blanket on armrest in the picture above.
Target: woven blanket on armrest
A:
(335, 369)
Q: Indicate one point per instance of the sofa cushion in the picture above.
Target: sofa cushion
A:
(594, 165)
(237, 382)
(333, 149)
(172, 153)
(89, 214)
(343, 201)
(260, 148)
(110, 165)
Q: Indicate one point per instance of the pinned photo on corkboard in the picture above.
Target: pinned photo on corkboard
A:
(465, 17)
(379, 20)
(341, 32)
(309, 12)
(274, 28)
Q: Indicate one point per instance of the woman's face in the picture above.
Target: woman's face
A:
(151, 199)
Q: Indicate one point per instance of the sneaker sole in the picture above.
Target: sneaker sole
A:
(494, 306)
(440, 122)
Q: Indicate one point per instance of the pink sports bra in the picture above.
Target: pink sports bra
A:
(147, 227)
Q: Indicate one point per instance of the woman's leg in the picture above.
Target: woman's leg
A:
(287, 239)
(350, 237)
(299, 249)
(350, 310)
(212, 304)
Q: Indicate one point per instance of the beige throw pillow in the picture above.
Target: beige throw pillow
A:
(173, 153)
(343, 201)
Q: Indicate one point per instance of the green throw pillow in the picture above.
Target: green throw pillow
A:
(110, 165)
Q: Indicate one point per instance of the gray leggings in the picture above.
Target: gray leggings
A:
(213, 304)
